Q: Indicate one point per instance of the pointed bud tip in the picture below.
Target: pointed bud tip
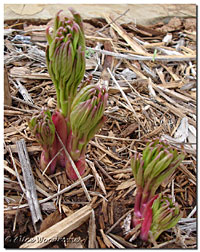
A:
(58, 13)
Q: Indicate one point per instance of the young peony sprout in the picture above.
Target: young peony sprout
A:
(43, 128)
(86, 119)
(157, 163)
(80, 104)
(65, 57)
(166, 214)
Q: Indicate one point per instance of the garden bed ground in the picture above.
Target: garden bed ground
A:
(150, 72)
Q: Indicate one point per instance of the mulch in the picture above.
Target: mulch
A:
(150, 72)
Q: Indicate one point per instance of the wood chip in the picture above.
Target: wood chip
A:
(134, 45)
(125, 185)
(106, 240)
(60, 229)
(97, 177)
(92, 231)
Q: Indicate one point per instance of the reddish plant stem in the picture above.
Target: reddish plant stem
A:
(147, 219)
(137, 211)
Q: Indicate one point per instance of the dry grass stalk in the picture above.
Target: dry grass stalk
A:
(125, 97)
(20, 178)
(54, 195)
(123, 241)
(159, 58)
